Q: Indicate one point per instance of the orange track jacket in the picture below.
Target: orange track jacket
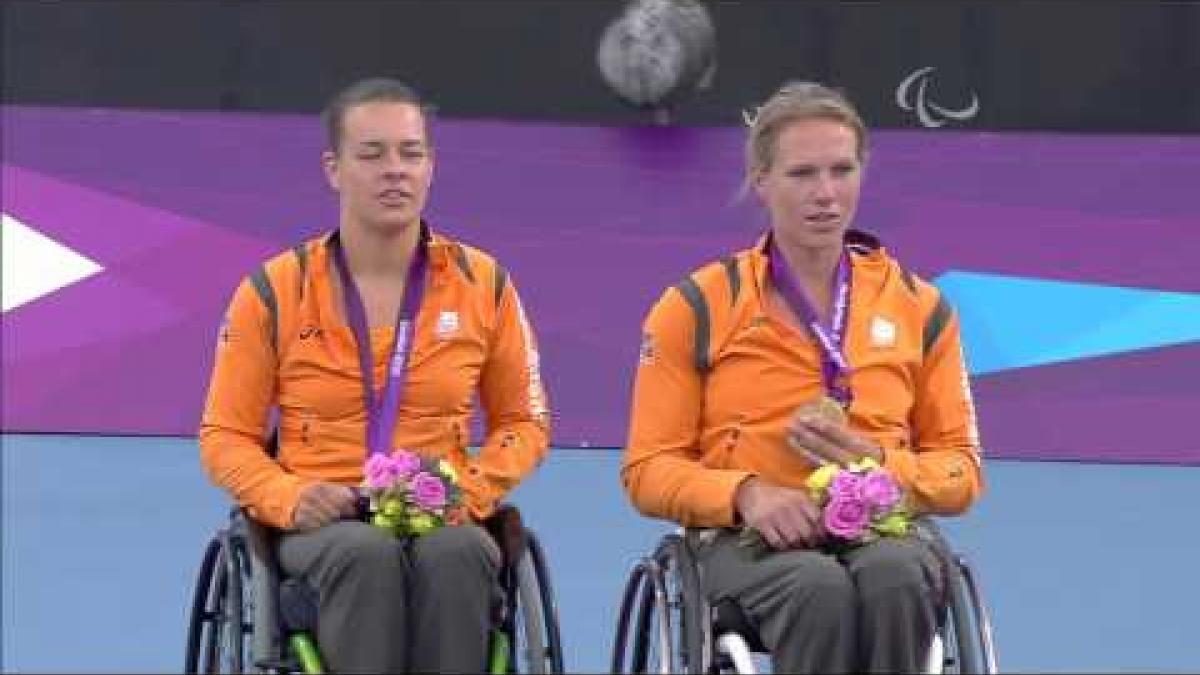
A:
(719, 378)
(284, 346)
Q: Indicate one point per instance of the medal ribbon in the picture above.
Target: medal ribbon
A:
(382, 410)
(834, 367)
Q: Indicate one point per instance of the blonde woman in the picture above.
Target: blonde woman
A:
(813, 346)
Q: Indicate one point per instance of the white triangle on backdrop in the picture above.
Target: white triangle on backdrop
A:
(35, 265)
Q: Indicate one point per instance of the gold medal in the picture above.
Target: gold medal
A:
(826, 408)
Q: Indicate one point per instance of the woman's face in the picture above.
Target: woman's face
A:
(384, 167)
(811, 188)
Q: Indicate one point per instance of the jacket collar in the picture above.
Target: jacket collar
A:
(869, 248)
(441, 247)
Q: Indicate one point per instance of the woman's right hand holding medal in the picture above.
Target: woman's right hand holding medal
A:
(820, 433)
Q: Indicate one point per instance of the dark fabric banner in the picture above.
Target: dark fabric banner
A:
(1096, 67)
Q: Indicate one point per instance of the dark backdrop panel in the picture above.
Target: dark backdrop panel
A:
(1109, 67)
(472, 58)
(131, 54)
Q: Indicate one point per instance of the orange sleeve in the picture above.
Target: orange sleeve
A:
(241, 393)
(943, 473)
(661, 470)
(512, 395)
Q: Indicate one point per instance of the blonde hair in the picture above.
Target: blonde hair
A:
(795, 101)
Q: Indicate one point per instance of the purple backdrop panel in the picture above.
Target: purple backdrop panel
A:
(592, 223)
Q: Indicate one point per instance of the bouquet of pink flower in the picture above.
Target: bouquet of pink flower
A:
(859, 503)
(409, 494)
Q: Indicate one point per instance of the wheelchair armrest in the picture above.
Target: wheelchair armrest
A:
(508, 530)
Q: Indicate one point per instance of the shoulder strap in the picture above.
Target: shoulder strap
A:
(464, 258)
(301, 251)
(499, 281)
(734, 274)
(266, 293)
(694, 293)
(934, 325)
(691, 292)
(261, 281)
(937, 319)
(464, 264)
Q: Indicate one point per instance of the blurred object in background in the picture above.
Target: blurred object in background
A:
(657, 52)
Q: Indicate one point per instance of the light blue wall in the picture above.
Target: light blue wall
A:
(1087, 567)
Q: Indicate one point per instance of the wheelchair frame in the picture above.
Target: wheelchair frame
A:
(236, 624)
(664, 613)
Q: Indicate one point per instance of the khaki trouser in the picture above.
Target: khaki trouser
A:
(387, 605)
(870, 609)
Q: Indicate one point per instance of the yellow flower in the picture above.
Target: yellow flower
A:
(448, 469)
(422, 523)
(819, 479)
(381, 520)
(392, 507)
(864, 464)
(895, 524)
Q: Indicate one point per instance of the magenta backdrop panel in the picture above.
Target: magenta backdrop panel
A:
(592, 223)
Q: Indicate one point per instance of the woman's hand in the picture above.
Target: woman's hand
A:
(821, 440)
(323, 503)
(785, 517)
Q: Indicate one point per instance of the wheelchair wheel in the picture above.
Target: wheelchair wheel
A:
(671, 630)
(969, 645)
(537, 645)
(964, 641)
(983, 618)
(218, 633)
(686, 599)
(201, 617)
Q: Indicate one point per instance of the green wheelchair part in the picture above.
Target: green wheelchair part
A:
(309, 656)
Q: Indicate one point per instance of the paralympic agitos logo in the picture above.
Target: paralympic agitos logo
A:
(912, 94)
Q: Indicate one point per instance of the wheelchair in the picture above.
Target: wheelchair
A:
(667, 625)
(246, 616)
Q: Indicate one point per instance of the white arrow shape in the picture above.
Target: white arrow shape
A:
(35, 265)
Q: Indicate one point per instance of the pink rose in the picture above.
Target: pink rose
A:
(428, 491)
(379, 470)
(880, 491)
(846, 518)
(405, 463)
(845, 485)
